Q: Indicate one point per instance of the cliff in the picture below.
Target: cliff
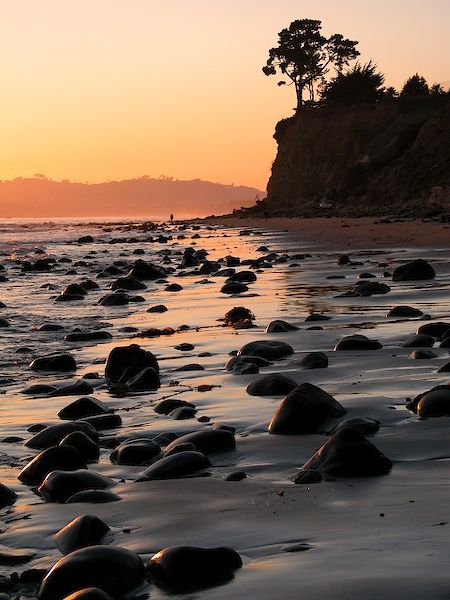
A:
(143, 197)
(391, 157)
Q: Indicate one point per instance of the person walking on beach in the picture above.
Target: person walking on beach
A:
(266, 214)
(171, 217)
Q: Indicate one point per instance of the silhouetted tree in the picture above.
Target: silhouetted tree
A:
(390, 92)
(437, 90)
(415, 86)
(361, 84)
(305, 56)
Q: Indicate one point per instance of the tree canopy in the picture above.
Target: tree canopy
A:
(361, 84)
(415, 86)
(305, 56)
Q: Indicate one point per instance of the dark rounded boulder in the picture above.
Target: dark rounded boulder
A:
(183, 412)
(416, 270)
(280, 327)
(317, 317)
(243, 277)
(146, 271)
(207, 441)
(115, 571)
(58, 486)
(116, 299)
(87, 530)
(52, 435)
(7, 496)
(357, 342)
(159, 308)
(124, 357)
(234, 287)
(305, 410)
(64, 458)
(313, 360)
(138, 451)
(362, 425)
(270, 350)
(176, 465)
(347, 453)
(404, 311)
(101, 422)
(182, 569)
(83, 444)
(438, 330)
(432, 403)
(83, 407)
(88, 336)
(54, 362)
(274, 384)
(146, 379)
(129, 284)
(418, 341)
(166, 406)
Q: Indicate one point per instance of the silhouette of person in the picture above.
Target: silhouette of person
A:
(266, 214)
(171, 217)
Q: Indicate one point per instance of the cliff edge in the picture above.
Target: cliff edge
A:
(385, 158)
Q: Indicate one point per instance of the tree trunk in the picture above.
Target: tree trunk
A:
(299, 93)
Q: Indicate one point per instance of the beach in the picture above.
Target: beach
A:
(375, 537)
(339, 233)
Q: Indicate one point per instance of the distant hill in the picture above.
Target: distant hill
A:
(144, 197)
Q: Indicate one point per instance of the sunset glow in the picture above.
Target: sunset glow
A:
(106, 89)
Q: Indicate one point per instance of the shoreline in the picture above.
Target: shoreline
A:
(339, 233)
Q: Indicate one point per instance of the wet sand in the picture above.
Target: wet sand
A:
(375, 538)
(343, 233)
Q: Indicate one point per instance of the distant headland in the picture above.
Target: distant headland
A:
(39, 196)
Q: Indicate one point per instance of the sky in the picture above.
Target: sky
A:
(95, 90)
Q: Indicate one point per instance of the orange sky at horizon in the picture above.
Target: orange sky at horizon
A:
(112, 89)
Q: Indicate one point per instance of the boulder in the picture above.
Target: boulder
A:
(7, 496)
(418, 341)
(404, 311)
(182, 569)
(438, 330)
(115, 571)
(270, 350)
(280, 327)
(416, 270)
(63, 458)
(207, 441)
(54, 362)
(58, 486)
(83, 407)
(52, 435)
(274, 384)
(305, 410)
(313, 360)
(347, 453)
(124, 357)
(83, 444)
(357, 342)
(432, 403)
(87, 530)
(175, 466)
(138, 451)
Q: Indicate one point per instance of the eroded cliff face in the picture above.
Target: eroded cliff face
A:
(392, 157)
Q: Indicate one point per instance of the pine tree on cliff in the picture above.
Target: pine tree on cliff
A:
(305, 56)
(415, 86)
(360, 85)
